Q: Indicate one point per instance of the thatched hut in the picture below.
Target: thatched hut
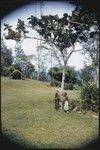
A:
(16, 74)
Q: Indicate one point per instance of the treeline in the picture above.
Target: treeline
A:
(20, 61)
(72, 80)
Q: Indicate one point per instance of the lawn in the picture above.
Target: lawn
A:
(29, 117)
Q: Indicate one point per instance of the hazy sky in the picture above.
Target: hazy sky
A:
(29, 46)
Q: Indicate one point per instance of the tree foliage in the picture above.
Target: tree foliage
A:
(87, 73)
(23, 62)
(70, 74)
(29, 69)
(90, 96)
(6, 57)
(18, 33)
(61, 33)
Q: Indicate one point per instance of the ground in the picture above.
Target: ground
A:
(29, 117)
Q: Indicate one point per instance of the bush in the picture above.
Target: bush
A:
(90, 96)
(5, 70)
(8, 70)
(55, 83)
(75, 104)
(76, 87)
(68, 86)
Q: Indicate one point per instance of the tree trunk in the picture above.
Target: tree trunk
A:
(63, 80)
(38, 75)
(97, 77)
(38, 63)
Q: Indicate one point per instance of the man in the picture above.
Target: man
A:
(57, 100)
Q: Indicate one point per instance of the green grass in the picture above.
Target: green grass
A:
(29, 117)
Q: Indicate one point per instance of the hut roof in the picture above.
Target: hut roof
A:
(16, 71)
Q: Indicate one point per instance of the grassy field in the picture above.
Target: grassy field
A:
(29, 117)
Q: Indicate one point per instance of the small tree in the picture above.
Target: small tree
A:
(91, 48)
(6, 57)
(29, 69)
(23, 61)
(90, 96)
(87, 73)
(70, 74)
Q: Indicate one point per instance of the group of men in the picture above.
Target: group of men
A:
(61, 101)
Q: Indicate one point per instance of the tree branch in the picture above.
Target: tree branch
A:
(64, 58)
(75, 22)
(56, 55)
(77, 50)
(78, 38)
(69, 55)
(34, 38)
(54, 52)
(28, 26)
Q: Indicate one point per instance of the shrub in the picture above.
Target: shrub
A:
(90, 96)
(55, 83)
(68, 86)
(8, 70)
(76, 87)
(5, 70)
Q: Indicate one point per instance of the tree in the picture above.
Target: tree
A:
(61, 34)
(91, 45)
(87, 73)
(91, 48)
(29, 69)
(8, 70)
(70, 74)
(6, 57)
(41, 57)
(22, 62)
(90, 96)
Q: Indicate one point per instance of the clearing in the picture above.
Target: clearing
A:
(29, 117)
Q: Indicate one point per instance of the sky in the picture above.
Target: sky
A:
(46, 8)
